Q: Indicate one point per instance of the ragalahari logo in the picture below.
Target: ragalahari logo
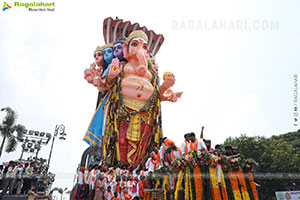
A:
(6, 6)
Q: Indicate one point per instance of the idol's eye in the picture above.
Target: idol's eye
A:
(94, 55)
(133, 44)
(145, 47)
(109, 50)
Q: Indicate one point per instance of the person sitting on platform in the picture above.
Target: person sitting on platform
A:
(162, 152)
(173, 151)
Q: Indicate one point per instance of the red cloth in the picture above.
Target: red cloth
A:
(146, 131)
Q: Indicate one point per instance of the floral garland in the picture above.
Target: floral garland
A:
(193, 186)
(178, 184)
(206, 159)
(234, 185)
(214, 184)
(248, 186)
(188, 193)
(228, 186)
(224, 188)
(187, 183)
(166, 185)
(198, 182)
(252, 186)
(207, 194)
(243, 187)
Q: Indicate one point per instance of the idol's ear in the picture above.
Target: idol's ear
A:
(125, 51)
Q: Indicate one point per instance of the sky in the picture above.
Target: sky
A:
(235, 62)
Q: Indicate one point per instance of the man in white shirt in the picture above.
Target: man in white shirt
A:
(10, 178)
(162, 153)
(185, 146)
(91, 182)
(80, 181)
(196, 144)
(150, 164)
(130, 185)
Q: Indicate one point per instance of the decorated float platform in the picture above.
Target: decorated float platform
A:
(201, 175)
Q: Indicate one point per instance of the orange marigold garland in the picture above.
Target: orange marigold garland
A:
(242, 182)
(252, 185)
(198, 182)
(234, 185)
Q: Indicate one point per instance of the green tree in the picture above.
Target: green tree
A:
(10, 131)
(275, 155)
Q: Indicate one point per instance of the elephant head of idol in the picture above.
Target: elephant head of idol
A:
(136, 51)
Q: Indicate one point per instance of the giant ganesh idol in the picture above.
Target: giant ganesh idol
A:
(127, 122)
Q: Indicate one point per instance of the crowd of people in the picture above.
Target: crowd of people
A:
(19, 177)
(99, 182)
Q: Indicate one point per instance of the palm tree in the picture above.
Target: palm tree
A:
(60, 191)
(7, 129)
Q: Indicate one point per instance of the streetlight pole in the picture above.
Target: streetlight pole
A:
(58, 130)
(23, 147)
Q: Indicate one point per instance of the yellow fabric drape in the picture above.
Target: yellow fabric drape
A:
(134, 128)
